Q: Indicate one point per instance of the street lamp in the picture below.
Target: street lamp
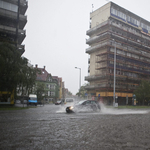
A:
(79, 77)
(114, 73)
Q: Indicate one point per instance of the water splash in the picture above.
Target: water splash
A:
(116, 111)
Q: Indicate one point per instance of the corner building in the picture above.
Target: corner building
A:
(13, 21)
(112, 26)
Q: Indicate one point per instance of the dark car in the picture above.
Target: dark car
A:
(85, 105)
(58, 102)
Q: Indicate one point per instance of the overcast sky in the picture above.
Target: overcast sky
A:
(56, 35)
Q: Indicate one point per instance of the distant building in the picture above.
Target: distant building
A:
(51, 84)
(61, 87)
(13, 21)
(113, 26)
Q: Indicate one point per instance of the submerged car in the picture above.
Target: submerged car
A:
(85, 105)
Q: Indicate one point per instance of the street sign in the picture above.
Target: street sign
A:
(86, 94)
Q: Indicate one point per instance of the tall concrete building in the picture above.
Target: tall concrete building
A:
(13, 21)
(115, 28)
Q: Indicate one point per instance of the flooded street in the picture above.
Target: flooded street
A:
(49, 127)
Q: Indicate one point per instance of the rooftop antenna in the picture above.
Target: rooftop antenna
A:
(92, 7)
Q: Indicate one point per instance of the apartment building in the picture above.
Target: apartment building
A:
(53, 85)
(13, 21)
(113, 28)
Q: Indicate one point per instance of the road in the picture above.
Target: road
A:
(50, 128)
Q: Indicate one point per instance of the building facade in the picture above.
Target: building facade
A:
(13, 21)
(52, 85)
(113, 28)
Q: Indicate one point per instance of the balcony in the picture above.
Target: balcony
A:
(97, 38)
(126, 29)
(96, 77)
(97, 86)
(13, 15)
(23, 5)
(96, 47)
(11, 30)
(92, 30)
(21, 46)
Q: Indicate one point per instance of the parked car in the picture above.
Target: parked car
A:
(25, 101)
(69, 100)
(17, 101)
(85, 105)
(58, 102)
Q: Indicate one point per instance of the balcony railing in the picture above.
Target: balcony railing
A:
(12, 30)
(97, 27)
(92, 48)
(13, 15)
(95, 77)
(96, 38)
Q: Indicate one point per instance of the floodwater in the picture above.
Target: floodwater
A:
(111, 111)
(49, 127)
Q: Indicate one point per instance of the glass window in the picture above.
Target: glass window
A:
(48, 93)
(88, 102)
(52, 93)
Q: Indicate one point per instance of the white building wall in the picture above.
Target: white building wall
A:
(100, 15)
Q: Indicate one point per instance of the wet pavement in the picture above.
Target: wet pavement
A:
(50, 128)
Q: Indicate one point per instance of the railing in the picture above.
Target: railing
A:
(97, 46)
(93, 39)
(12, 30)
(22, 2)
(21, 46)
(13, 15)
(126, 29)
(96, 27)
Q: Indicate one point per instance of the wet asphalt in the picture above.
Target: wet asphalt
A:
(49, 127)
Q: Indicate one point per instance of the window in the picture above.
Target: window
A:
(118, 13)
(48, 86)
(133, 21)
(145, 26)
(50, 79)
(51, 93)
(52, 87)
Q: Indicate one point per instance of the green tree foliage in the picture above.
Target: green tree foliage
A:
(40, 91)
(143, 92)
(14, 70)
(82, 91)
(69, 93)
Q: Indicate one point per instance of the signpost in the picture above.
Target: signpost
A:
(134, 100)
(116, 104)
(126, 99)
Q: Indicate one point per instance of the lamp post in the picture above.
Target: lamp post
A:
(114, 73)
(79, 77)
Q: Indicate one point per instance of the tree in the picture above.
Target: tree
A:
(40, 91)
(82, 91)
(143, 92)
(14, 71)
